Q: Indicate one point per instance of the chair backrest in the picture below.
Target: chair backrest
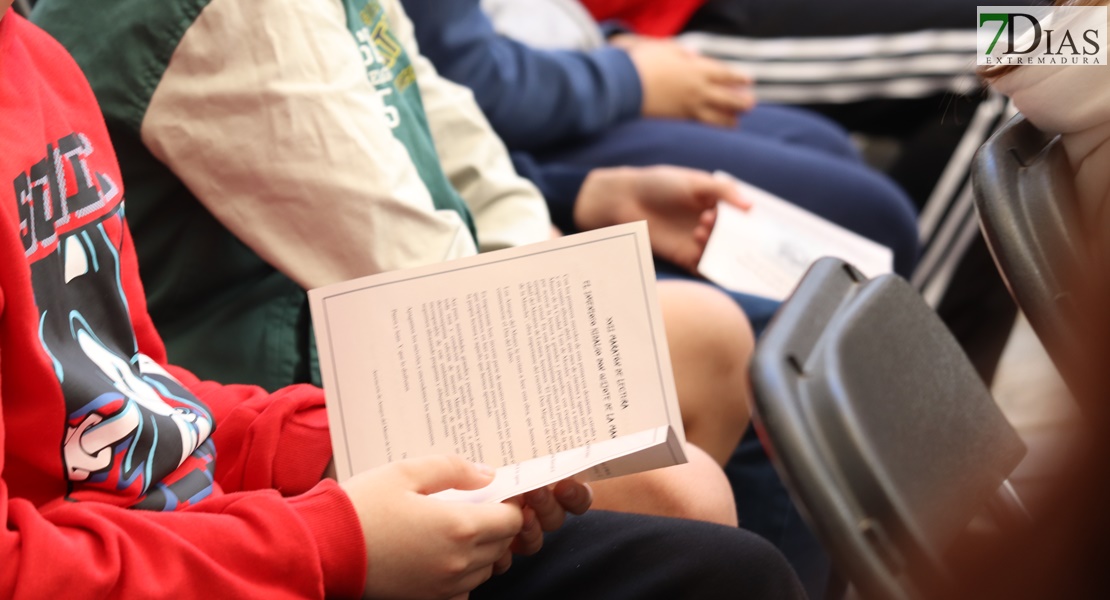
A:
(879, 425)
(1029, 215)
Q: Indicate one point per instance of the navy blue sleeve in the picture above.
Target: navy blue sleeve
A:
(533, 98)
(559, 185)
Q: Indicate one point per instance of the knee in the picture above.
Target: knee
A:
(711, 344)
(704, 322)
(710, 495)
(696, 490)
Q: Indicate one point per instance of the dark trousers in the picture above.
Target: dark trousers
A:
(613, 556)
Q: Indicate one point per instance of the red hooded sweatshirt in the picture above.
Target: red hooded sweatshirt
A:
(110, 480)
(646, 17)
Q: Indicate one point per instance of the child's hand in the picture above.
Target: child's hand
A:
(679, 205)
(545, 509)
(421, 547)
(678, 83)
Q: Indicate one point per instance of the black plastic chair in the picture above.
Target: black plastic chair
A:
(880, 427)
(1028, 212)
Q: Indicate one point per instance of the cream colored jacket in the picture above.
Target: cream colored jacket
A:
(313, 180)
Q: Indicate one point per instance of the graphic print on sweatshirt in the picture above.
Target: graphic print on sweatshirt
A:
(133, 435)
(390, 70)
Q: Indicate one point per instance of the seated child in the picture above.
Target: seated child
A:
(111, 485)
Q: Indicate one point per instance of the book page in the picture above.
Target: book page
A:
(766, 250)
(619, 456)
(501, 358)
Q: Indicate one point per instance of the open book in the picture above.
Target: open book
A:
(546, 361)
(766, 250)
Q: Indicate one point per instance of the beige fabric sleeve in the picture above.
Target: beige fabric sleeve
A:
(266, 114)
(508, 209)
